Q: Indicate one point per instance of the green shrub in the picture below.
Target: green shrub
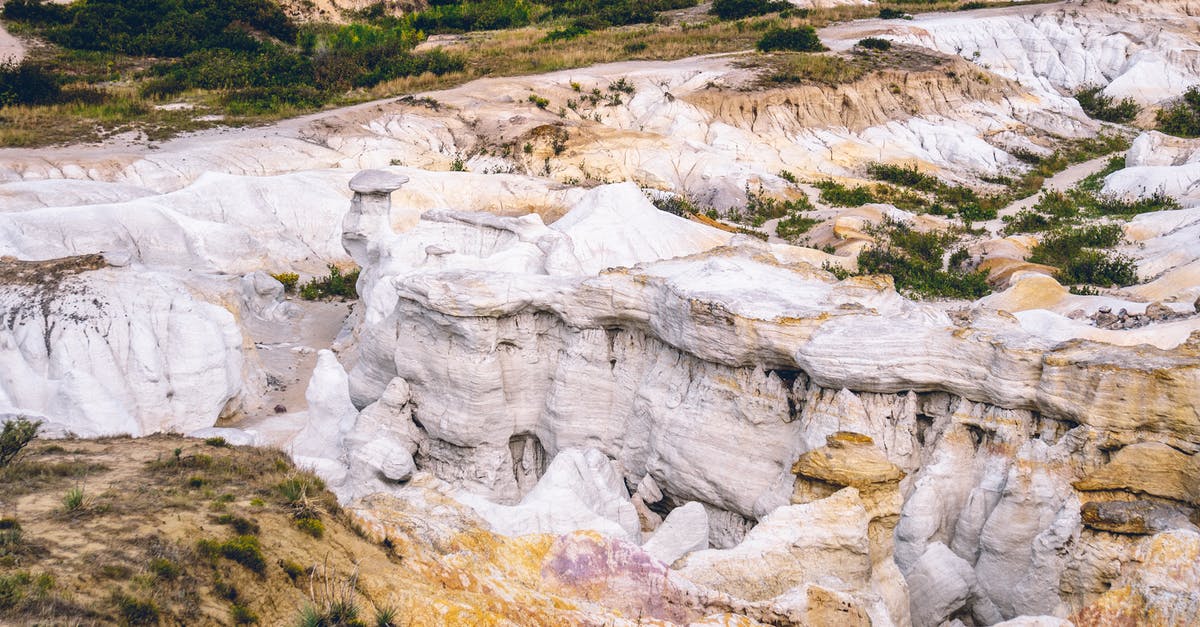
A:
(1078, 254)
(539, 101)
(168, 28)
(799, 39)
(293, 570)
(793, 226)
(477, 15)
(839, 195)
(11, 536)
(334, 285)
(288, 279)
(134, 611)
(74, 499)
(244, 550)
(914, 260)
(27, 83)
(242, 615)
(164, 569)
(908, 176)
(218, 442)
(312, 526)
(1183, 118)
(241, 526)
(17, 433)
(738, 9)
(874, 43)
(1102, 107)
(563, 34)
(888, 13)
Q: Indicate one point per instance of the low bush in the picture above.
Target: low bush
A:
(908, 176)
(1102, 107)
(914, 260)
(241, 526)
(135, 611)
(838, 195)
(22, 587)
(1078, 254)
(1182, 118)
(874, 43)
(16, 435)
(738, 9)
(244, 550)
(334, 285)
(242, 615)
(799, 39)
(288, 280)
(27, 83)
(312, 526)
(814, 68)
(888, 13)
(795, 225)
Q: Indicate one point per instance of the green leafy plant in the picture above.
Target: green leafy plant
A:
(16, 435)
(244, 550)
(799, 39)
(74, 500)
(1097, 105)
(288, 279)
(874, 43)
(1182, 118)
(334, 285)
(738, 9)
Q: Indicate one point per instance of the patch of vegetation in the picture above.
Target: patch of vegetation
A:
(135, 611)
(837, 195)
(738, 9)
(244, 550)
(334, 285)
(164, 569)
(1181, 119)
(792, 227)
(814, 68)
(914, 260)
(888, 13)
(23, 588)
(27, 83)
(1078, 254)
(241, 526)
(74, 500)
(1101, 107)
(874, 43)
(312, 526)
(798, 39)
(16, 435)
(242, 615)
(218, 442)
(289, 281)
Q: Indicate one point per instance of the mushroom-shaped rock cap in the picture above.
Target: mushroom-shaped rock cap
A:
(377, 182)
(848, 459)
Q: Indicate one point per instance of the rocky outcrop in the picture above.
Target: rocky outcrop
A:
(674, 368)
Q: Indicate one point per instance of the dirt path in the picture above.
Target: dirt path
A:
(11, 48)
(1062, 181)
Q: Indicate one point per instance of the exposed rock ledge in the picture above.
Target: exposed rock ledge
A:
(709, 374)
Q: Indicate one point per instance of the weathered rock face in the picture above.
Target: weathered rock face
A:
(675, 368)
(96, 350)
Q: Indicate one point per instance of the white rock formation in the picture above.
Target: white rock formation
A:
(684, 531)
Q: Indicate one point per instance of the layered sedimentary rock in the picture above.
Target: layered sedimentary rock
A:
(676, 368)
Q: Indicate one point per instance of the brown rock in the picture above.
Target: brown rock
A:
(1134, 517)
(1148, 468)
